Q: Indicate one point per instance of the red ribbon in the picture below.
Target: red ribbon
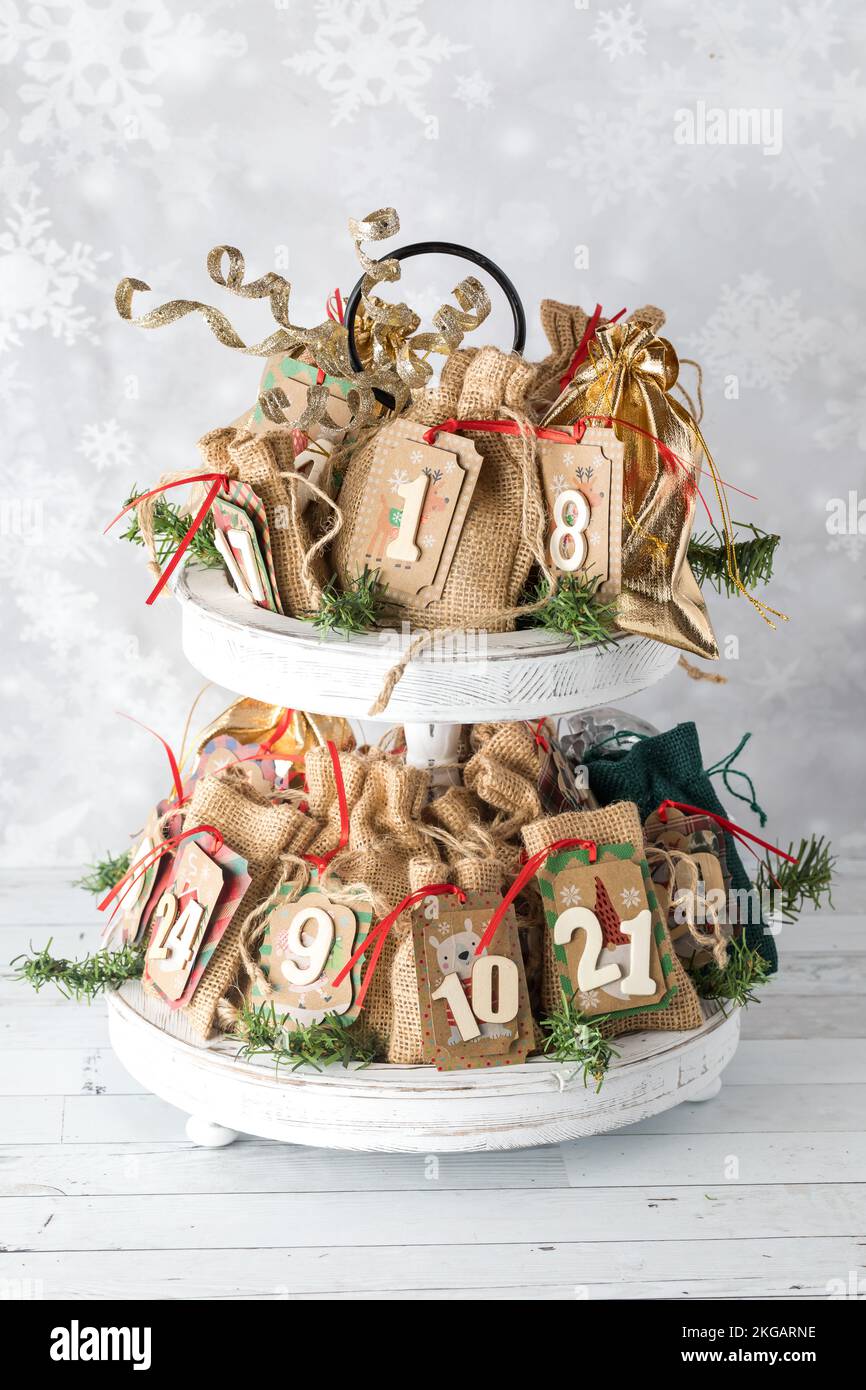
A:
(217, 480)
(321, 861)
(135, 871)
(738, 832)
(380, 932)
(583, 346)
(273, 738)
(335, 299)
(540, 740)
(169, 752)
(532, 865)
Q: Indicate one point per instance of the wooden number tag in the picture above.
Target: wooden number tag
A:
(606, 932)
(236, 536)
(474, 1009)
(583, 490)
(413, 510)
(175, 925)
(306, 943)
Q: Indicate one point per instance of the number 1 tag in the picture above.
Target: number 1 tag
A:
(583, 490)
(413, 510)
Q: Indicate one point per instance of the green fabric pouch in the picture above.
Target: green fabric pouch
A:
(670, 766)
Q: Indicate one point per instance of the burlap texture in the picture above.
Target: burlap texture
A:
(617, 823)
(260, 832)
(493, 557)
(259, 461)
(503, 774)
(384, 799)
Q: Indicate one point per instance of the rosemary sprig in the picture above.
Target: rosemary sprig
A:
(574, 609)
(316, 1045)
(169, 529)
(105, 873)
(755, 557)
(356, 609)
(80, 979)
(809, 880)
(736, 982)
(572, 1037)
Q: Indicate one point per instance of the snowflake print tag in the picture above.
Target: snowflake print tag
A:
(606, 930)
(413, 510)
(474, 1009)
(196, 907)
(583, 491)
(306, 943)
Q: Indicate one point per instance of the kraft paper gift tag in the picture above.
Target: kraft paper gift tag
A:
(583, 492)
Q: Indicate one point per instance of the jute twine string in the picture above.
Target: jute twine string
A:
(295, 478)
(687, 898)
(535, 522)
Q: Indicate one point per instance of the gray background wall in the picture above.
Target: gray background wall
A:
(137, 136)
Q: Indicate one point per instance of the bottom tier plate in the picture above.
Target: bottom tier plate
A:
(395, 1109)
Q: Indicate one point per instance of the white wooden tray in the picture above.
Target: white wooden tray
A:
(413, 1109)
(515, 675)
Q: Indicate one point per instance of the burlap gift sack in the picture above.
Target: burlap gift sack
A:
(615, 824)
(261, 832)
(504, 525)
(503, 773)
(384, 800)
(629, 375)
(267, 464)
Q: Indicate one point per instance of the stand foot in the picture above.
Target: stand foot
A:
(208, 1135)
(709, 1091)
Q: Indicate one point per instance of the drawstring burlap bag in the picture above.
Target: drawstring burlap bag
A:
(267, 464)
(616, 824)
(384, 800)
(261, 832)
(504, 528)
(629, 375)
(503, 774)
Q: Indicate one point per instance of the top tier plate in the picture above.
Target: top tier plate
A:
(512, 675)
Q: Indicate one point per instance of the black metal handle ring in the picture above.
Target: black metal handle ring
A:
(442, 248)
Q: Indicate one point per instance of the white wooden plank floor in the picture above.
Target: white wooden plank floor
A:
(759, 1193)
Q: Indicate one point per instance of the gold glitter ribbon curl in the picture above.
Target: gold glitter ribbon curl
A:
(629, 374)
(388, 332)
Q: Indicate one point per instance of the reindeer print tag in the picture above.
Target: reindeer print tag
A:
(413, 510)
(474, 1009)
(307, 941)
(583, 490)
(608, 940)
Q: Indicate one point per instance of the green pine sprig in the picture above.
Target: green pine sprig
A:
(169, 528)
(755, 556)
(575, 610)
(355, 609)
(573, 1037)
(737, 981)
(80, 979)
(316, 1045)
(810, 880)
(105, 873)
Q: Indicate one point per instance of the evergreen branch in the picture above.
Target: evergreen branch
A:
(755, 557)
(316, 1045)
(356, 609)
(170, 526)
(736, 982)
(572, 1037)
(80, 979)
(809, 880)
(105, 873)
(574, 609)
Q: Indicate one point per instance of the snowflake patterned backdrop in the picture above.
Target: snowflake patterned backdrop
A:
(567, 140)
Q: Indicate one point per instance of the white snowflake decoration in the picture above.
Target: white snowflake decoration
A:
(559, 483)
(370, 53)
(588, 999)
(571, 895)
(427, 540)
(397, 478)
(416, 457)
(474, 90)
(106, 445)
(619, 34)
(629, 897)
(39, 280)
